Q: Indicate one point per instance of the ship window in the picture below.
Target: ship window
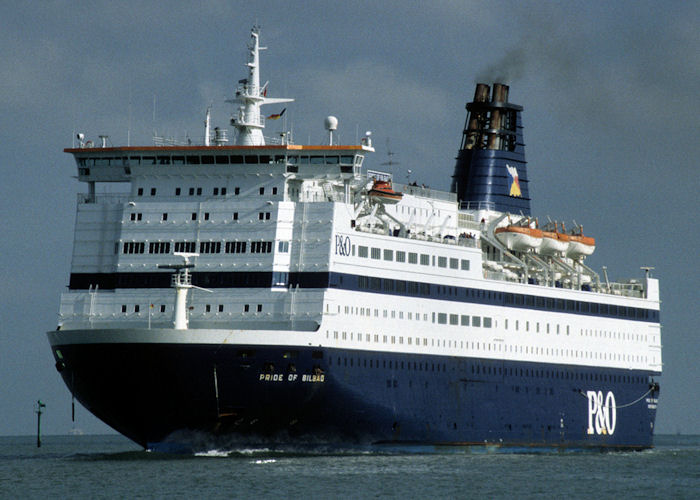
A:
(376, 253)
(259, 308)
(139, 192)
(236, 246)
(346, 159)
(261, 247)
(223, 191)
(193, 160)
(199, 191)
(476, 320)
(454, 263)
(464, 320)
(216, 192)
(148, 160)
(162, 308)
(412, 258)
(206, 215)
(332, 160)
(207, 308)
(164, 160)
(262, 190)
(400, 256)
(159, 247)
(424, 259)
(251, 159)
(454, 319)
(177, 191)
(317, 160)
(236, 159)
(123, 308)
(283, 246)
(131, 247)
(185, 246)
(210, 247)
(280, 278)
(137, 308)
(221, 308)
(221, 160)
(442, 261)
(164, 217)
(246, 308)
(265, 159)
(487, 322)
(208, 160)
(442, 318)
(178, 160)
(388, 254)
(134, 160)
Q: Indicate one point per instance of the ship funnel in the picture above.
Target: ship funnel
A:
(490, 171)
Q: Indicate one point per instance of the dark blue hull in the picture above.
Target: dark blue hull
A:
(150, 391)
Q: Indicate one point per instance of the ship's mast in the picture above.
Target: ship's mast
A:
(182, 282)
(249, 123)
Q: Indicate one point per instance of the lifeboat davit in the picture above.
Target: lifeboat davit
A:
(382, 191)
(580, 246)
(518, 238)
(554, 243)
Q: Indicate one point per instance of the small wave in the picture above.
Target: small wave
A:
(212, 453)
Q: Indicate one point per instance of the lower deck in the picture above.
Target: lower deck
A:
(148, 391)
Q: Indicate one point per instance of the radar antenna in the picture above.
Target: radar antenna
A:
(390, 154)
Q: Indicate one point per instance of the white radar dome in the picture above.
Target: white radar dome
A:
(331, 123)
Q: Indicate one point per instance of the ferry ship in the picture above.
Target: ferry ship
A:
(266, 290)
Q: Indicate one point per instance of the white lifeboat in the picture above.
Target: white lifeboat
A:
(580, 246)
(518, 238)
(554, 243)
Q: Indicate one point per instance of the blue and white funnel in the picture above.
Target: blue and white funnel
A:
(490, 173)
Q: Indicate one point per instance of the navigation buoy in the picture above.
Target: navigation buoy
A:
(39, 407)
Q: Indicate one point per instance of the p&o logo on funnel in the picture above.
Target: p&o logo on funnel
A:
(514, 181)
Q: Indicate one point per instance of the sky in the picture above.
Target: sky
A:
(610, 92)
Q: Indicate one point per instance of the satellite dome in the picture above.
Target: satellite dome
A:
(331, 123)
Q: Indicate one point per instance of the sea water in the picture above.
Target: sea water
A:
(114, 467)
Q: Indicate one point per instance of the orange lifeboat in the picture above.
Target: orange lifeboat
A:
(382, 191)
(518, 238)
